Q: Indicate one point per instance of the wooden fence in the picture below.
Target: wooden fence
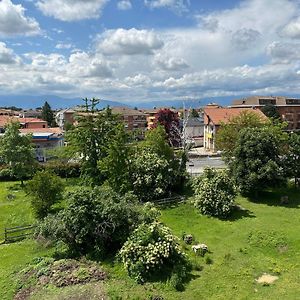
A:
(170, 200)
(13, 234)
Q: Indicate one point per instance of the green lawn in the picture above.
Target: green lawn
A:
(262, 238)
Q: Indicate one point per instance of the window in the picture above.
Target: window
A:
(291, 101)
(267, 101)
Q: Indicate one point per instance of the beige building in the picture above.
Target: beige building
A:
(288, 108)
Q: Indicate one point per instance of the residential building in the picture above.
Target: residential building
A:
(151, 115)
(214, 117)
(288, 108)
(64, 117)
(31, 113)
(193, 130)
(8, 112)
(132, 118)
(43, 138)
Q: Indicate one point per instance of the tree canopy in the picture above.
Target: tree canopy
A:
(227, 136)
(17, 152)
(257, 162)
(170, 121)
(47, 115)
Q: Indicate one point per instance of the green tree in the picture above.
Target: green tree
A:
(257, 162)
(271, 111)
(292, 157)
(47, 114)
(194, 113)
(156, 169)
(90, 140)
(17, 152)
(227, 136)
(214, 193)
(116, 166)
(46, 189)
(96, 220)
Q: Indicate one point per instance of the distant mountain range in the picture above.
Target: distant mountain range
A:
(56, 102)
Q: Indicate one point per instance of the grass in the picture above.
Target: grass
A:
(262, 237)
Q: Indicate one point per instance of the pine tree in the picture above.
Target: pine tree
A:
(47, 114)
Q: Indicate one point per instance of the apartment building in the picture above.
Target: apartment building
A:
(288, 108)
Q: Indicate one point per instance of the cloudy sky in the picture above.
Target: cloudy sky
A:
(138, 50)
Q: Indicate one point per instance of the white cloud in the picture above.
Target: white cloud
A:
(284, 53)
(178, 6)
(129, 42)
(124, 5)
(72, 10)
(64, 46)
(292, 29)
(170, 63)
(229, 52)
(13, 20)
(7, 56)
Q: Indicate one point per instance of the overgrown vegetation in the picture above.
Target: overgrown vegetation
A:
(95, 221)
(46, 189)
(214, 193)
(152, 249)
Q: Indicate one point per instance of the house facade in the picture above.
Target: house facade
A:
(214, 117)
(288, 108)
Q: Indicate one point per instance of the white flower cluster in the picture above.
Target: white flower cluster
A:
(149, 252)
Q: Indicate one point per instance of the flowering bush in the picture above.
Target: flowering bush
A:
(153, 248)
(214, 193)
(152, 176)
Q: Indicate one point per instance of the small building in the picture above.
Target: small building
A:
(214, 117)
(44, 139)
(287, 107)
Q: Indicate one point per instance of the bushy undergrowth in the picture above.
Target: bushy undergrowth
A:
(214, 193)
(152, 249)
(96, 221)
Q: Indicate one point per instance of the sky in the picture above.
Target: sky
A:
(145, 50)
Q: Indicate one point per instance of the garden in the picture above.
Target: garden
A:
(95, 225)
(261, 236)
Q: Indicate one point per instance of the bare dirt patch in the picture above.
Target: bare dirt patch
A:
(61, 273)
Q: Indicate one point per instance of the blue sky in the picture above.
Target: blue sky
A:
(145, 50)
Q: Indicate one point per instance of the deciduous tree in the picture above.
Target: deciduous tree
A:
(17, 152)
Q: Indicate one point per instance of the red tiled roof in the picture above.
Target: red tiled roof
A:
(7, 119)
(223, 115)
(56, 130)
(30, 120)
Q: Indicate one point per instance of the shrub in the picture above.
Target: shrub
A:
(152, 249)
(63, 169)
(152, 175)
(46, 189)
(214, 193)
(96, 221)
(6, 174)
